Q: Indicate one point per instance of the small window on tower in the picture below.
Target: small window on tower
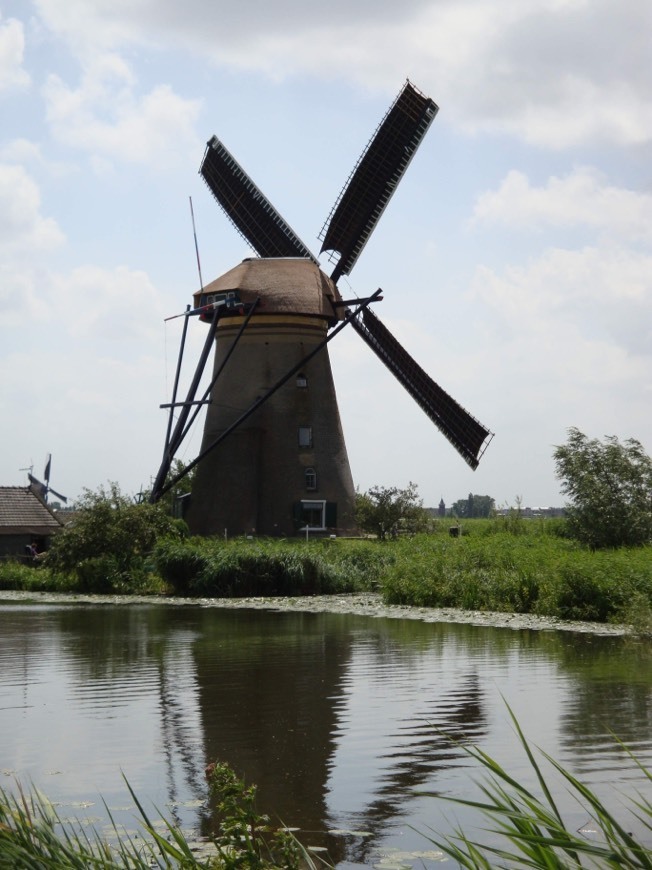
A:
(313, 514)
(302, 381)
(311, 478)
(305, 436)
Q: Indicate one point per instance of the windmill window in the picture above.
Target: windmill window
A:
(311, 478)
(313, 514)
(305, 436)
(302, 381)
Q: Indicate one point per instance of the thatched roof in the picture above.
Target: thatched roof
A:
(285, 285)
(22, 512)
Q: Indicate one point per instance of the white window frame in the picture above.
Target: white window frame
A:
(315, 503)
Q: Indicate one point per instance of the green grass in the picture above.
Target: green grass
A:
(506, 564)
(33, 837)
(527, 829)
(265, 567)
(533, 571)
(18, 575)
(524, 827)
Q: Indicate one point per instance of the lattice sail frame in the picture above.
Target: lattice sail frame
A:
(247, 207)
(375, 177)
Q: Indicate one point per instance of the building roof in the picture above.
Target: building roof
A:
(22, 512)
(286, 285)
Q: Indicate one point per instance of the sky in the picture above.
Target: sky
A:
(515, 257)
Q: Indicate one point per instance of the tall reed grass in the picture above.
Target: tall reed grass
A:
(265, 567)
(527, 829)
(524, 827)
(506, 564)
(535, 572)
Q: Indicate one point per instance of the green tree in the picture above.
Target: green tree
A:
(183, 487)
(386, 510)
(474, 506)
(609, 485)
(109, 540)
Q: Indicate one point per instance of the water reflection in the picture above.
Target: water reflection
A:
(340, 720)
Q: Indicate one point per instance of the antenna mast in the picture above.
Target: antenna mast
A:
(194, 233)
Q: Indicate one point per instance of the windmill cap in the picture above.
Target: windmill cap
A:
(285, 286)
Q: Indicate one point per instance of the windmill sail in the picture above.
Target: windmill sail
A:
(376, 176)
(465, 433)
(246, 206)
(44, 489)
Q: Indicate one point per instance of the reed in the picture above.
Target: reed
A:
(527, 829)
(505, 564)
(266, 567)
(524, 828)
(535, 572)
(32, 835)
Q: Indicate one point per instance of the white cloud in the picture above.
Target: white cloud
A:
(13, 76)
(20, 151)
(553, 73)
(118, 306)
(569, 300)
(581, 198)
(106, 116)
(23, 229)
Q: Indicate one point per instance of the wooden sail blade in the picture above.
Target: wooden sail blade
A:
(469, 437)
(247, 207)
(376, 176)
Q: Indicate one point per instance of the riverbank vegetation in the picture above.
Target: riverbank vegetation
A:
(593, 565)
(508, 564)
(520, 827)
(521, 566)
(32, 835)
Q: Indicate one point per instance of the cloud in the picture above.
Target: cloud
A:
(567, 301)
(603, 289)
(26, 236)
(118, 307)
(581, 198)
(106, 116)
(555, 74)
(12, 45)
(23, 229)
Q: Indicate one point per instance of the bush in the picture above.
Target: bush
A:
(610, 487)
(264, 567)
(15, 575)
(537, 572)
(107, 547)
(389, 510)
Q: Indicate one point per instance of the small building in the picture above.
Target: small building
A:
(25, 519)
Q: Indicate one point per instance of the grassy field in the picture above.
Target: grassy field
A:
(526, 567)
(505, 564)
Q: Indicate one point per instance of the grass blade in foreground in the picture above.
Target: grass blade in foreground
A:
(529, 831)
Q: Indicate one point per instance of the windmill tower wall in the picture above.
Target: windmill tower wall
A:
(287, 464)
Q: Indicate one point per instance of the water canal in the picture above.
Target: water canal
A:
(343, 721)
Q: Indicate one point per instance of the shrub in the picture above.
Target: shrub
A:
(610, 488)
(388, 510)
(537, 572)
(14, 575)
(262, 567)
(106, 547)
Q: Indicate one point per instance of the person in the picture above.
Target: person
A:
(34, 550)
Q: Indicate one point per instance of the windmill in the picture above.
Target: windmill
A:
(283, 466)
(43, 489)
